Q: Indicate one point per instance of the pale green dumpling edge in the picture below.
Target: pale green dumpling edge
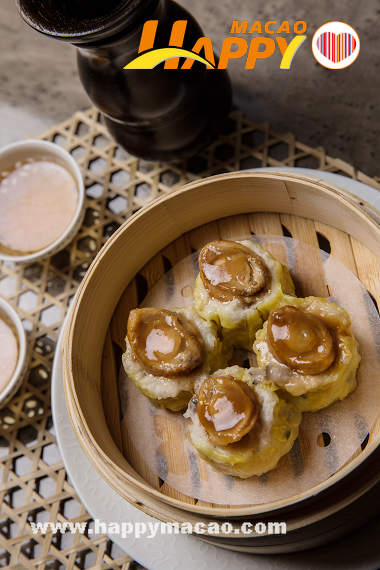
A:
(283, 433)
(240, 332)
(340, 378)
(216, 358)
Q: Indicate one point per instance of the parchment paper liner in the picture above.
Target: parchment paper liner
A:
(161, 437)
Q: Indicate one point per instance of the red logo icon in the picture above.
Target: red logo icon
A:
(336, 48)
(335, 45)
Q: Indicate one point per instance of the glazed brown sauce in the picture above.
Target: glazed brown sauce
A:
(8, 353)
(226, 415)
(230, 270)
(300, 340)
(245, 443)
(164, 342)
(233, 269)
(228, 409)
(38, 201)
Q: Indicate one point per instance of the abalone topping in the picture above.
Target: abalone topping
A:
(228, 409)
(300, 340)
(230, 270)
(166, 343)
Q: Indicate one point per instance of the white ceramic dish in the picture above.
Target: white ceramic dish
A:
(358, 551)
(22, 361)
(38, 149)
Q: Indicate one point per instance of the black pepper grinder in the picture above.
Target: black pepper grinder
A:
(163, 113)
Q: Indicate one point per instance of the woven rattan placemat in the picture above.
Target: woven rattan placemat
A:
(34, 485)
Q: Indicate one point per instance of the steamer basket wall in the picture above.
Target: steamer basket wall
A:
(97, 323)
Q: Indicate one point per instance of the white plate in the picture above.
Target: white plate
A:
(357, 551)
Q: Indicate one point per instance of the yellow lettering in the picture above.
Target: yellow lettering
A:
(206, 44)
(239, 28)
(266, 27)
(290, 51)
(297, 24)
(256, 28)
(254, 52)
(284, 28)
(226, 53)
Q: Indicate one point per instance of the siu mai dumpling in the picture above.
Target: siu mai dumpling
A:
(168, 352)
(239, 425)
(307, 349)
(238, 285)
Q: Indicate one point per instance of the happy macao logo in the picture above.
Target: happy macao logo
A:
(335, 45)
(233, 47)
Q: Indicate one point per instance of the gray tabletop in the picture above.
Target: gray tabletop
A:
(337, 109)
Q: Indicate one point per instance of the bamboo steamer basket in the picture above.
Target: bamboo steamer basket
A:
(171, 228)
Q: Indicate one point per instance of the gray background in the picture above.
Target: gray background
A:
(337, 109)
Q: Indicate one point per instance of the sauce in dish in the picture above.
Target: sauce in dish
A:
(8, 354)
(38, 200)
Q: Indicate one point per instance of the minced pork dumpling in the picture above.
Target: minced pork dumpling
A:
(309, 352)
(168, 352)
(239, 425)
(238, 285)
